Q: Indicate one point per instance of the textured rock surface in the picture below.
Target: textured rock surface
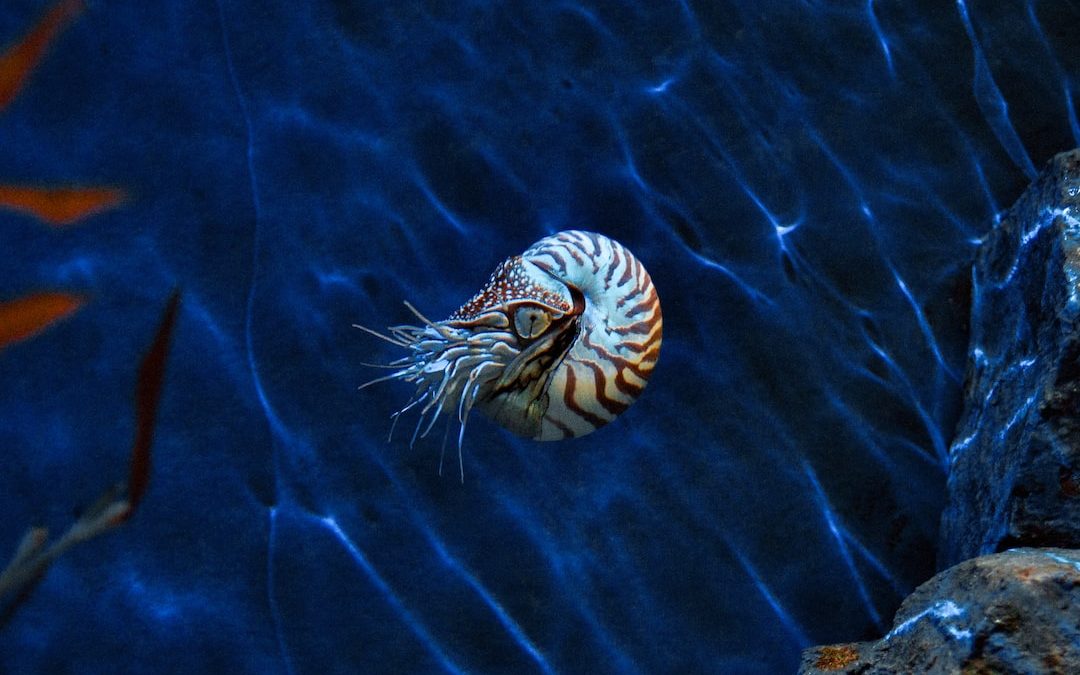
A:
(1014, 478)
(1012, 612)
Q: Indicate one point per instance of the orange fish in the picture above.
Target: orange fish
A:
(60, 206)
(19, 61)
(29, 315)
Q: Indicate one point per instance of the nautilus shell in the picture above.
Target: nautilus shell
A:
(560, 341)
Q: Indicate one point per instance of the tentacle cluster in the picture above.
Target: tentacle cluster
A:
(449, 366)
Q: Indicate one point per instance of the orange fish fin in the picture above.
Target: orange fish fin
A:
(19, 60)
(60, 206)
(29, 315)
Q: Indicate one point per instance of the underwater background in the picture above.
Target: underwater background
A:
(806, 183)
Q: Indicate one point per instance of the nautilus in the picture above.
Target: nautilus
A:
(561, 340)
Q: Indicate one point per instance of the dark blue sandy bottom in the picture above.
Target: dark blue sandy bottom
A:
(805, 181)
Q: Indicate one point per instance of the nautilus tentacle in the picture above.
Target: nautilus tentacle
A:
(561, 340)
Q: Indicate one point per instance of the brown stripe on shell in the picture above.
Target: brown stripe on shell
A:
(629, 388)
(600, 381)
(554, 255)
(643, 327)
(565, 429)
(650, 301)
(615, 259)
(572, 405)
(595, 253)
(642, 370)
(627, 273)
(640, 280)
(574, 254)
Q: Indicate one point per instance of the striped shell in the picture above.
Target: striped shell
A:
(560, 341)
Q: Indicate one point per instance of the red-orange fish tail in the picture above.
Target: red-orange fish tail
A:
(29, 315)
(19, 61)
(60, 206)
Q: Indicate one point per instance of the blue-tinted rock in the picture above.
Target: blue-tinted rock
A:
(1014, 476)
(1013, 612)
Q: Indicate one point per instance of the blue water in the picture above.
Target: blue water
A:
(805, 181)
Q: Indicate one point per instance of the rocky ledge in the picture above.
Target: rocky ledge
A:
(1014, 475)
(1013, 612)
(1014, 466)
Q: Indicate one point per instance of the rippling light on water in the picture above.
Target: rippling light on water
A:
(806, 182)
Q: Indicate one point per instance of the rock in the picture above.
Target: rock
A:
(1014, 475)
(1012, 612)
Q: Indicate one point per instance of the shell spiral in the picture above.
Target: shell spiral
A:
(560, 341)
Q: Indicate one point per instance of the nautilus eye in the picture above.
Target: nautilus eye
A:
(530, 321)
(559, 342)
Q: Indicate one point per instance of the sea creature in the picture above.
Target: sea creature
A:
(561, 340)
(26, 316)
